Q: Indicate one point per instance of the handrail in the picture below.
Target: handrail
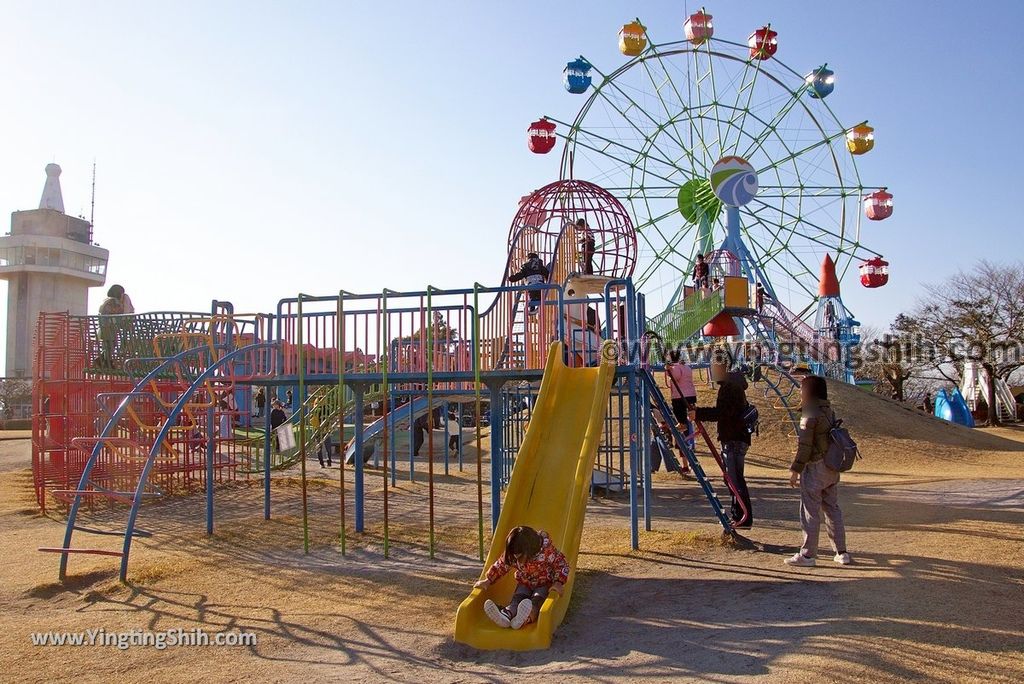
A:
(111, 425)
(687, 450)
(729, 482)
(162, 435)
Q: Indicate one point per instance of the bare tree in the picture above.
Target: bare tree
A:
(892, 363)
(977, 315)
(14, 392)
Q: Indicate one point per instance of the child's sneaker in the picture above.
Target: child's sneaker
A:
(800, 560)
(843, 558)
(493, 612)
(522, 613)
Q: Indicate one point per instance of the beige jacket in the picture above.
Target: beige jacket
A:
(815, 422)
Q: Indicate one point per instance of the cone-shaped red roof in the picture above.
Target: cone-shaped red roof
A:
(828, 284)
(721, 325)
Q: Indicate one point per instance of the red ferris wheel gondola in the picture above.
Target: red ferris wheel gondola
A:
(878, 205)
(874, 272)
(541, 136)
(699, 28)
(763, 42)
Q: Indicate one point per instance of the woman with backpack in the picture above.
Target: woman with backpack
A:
(819, 484)
(730, 411)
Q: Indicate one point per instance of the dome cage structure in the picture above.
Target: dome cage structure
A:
(576, 227)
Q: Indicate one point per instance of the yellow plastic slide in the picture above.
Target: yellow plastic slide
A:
(548, 491)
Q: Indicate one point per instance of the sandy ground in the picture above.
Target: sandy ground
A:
(934, 515)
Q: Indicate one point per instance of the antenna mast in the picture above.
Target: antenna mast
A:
(92, 201)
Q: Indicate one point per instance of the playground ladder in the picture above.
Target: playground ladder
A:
(684, 446)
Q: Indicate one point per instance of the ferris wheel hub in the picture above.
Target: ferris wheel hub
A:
(697, 201)
(734, 181)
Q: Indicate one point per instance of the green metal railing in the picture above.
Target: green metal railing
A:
(686, 319)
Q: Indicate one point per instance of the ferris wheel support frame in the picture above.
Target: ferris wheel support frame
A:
(733, 242)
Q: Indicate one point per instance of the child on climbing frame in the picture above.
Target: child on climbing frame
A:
(540, 568)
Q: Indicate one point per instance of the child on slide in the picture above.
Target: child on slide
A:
(539, 567)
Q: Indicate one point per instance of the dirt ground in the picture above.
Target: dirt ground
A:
(934, 516)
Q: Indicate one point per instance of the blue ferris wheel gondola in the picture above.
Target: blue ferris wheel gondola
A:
(821, 82)
(576, 76)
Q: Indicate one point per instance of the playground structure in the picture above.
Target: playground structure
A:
(975, 387)
(565, 367)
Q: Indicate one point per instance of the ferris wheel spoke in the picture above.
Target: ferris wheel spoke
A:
(714, 103)
(660, 256)
(827, 140)
(608, 143)
(653, 222)
(824, 193)
(685, 108)
(660, 260)
(769, 128)
(670, 118)
(799, 219)
(767, 224)
(764, 258)
(814, 190)
(636, 107)
(741, 112)
(699, 127)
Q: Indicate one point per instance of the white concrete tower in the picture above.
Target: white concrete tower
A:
(49, 262)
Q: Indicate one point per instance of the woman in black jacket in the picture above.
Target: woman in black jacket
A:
(728, 411)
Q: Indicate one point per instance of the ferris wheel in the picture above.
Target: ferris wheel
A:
(717, 148)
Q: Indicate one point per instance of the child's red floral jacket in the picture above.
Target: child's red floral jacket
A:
(543, 570)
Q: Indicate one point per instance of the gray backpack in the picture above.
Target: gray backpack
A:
(842, 450)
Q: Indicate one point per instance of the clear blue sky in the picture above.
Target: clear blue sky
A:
(250, 150)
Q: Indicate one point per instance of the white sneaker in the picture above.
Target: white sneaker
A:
(800, 560)
(522, 613)
(493, 612)
(843, 558)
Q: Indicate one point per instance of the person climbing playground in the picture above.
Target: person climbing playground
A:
(729, 411)
(819, 484)
(117, 303)
(326, 448)
(588, 246)
(454, 433)
(540, 568)
(683, 392)
(701, 272)
(534, 272)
